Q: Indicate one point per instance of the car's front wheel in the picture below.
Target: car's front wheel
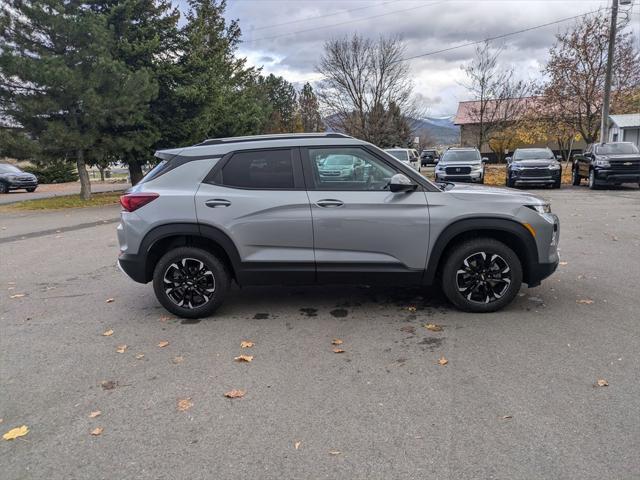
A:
(592, 179)
(575, 177)
(481, 275)
(3, 188)
(31, 189)
(190, 282)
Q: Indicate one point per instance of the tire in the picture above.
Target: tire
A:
(510, 183)
(3, 188)
(475, 252)
(592, 180)
(31, 190)
(557, 184)
(575, 177)
(173, 265)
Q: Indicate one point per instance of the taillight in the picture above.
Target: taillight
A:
(133, 201)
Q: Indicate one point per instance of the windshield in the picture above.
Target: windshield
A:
(533, 154)
(451, 156)
(616, 148)
(342, 160)
(399, 154)
(6, 168)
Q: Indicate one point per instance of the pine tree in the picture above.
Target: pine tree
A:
(60, 83)
(309, 110)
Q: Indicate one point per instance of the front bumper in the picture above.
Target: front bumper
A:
(19, 184)
(472, 177)
(617, 176)
(535, 176)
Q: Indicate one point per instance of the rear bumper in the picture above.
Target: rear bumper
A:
(134, 266)
(617, 176)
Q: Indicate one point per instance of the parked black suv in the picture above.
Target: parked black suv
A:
(612, 163)
(12, 178)
(429, 156)
(533, 166)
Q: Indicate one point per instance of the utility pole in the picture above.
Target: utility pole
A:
(604, 121)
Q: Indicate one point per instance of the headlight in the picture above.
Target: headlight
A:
(546, 208)
(12, 177)
(515, 166)
(440, 168)
(476, 167)
(554, 166)
(601, 162)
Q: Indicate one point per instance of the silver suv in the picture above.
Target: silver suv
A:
(461, 164)
(262, 211)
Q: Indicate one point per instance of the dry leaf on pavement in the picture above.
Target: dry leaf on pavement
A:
(184, 404)
(602, 383)
(411, 308)
(433, 327)
(108, 333)
(163, 343)
(121, 348)
(108, 384)
(338, 350)
(334, 452)
(18, 295)
(564, 263)
(507, 417)
(244, 358)
(109, 300)
(235, 394)
(585, 301)
(97, 431)
(336, 341)
(246, 344)
(139, 356)
(297, 445)
(16, 432)
(178, 359)
(443, 361)
(95, 414)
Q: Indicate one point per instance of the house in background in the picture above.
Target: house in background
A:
(625, 128)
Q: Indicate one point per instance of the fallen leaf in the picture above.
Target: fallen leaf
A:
(433, 327)
(246, 344)
(297, 445)
(614, 238)
(139, 356)
(108, 333)
(507, 417)
(602, 383)
(411, 308)
(121, 348)
(184, 404)
(108, 384)
(97, 431)
(16, 432)
(564, 263)
(235, 394)
(1, 420)
(163, 343)
(334, 452)
(178, 359)
(18, 295)
(443, 361)
(336, 341)
(95, 414)
(585, 301)
(109, 300)
(338, 350)
(164, 318)
(244, 358)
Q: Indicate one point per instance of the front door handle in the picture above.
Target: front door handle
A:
(217, 202)
(329, 202)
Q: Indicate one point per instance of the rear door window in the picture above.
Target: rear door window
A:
(260, 170)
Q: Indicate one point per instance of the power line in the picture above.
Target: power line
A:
(497, 37)
(306, 19)
(342, 23)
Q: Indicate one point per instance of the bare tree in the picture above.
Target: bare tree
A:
(366, 87)
(576, 73)
(500, 99)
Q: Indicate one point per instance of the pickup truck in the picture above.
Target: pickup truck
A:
(611, 163)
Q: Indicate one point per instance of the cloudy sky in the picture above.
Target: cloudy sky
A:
(285, 37)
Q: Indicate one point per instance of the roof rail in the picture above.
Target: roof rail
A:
(276, 136)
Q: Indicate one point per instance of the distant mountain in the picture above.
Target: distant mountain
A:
(440, 130)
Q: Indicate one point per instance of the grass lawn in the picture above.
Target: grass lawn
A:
(65, 201)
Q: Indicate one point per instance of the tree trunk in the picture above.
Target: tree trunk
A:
(83, 174)
(101, 169)
(135, 172)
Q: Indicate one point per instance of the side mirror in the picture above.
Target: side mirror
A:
(485, 159)
(401, 183)
(508, 159)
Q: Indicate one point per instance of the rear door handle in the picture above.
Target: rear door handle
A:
(329, 202)
(217, 202)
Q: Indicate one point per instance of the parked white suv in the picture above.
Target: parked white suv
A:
(406, 155)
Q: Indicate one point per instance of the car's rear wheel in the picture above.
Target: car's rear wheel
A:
(481, 275)
(575, 177)
(190, 282)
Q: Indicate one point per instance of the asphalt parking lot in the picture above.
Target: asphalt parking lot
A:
(516, 400)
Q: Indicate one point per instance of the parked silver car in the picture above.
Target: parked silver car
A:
(460, 164)
(258, 210)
